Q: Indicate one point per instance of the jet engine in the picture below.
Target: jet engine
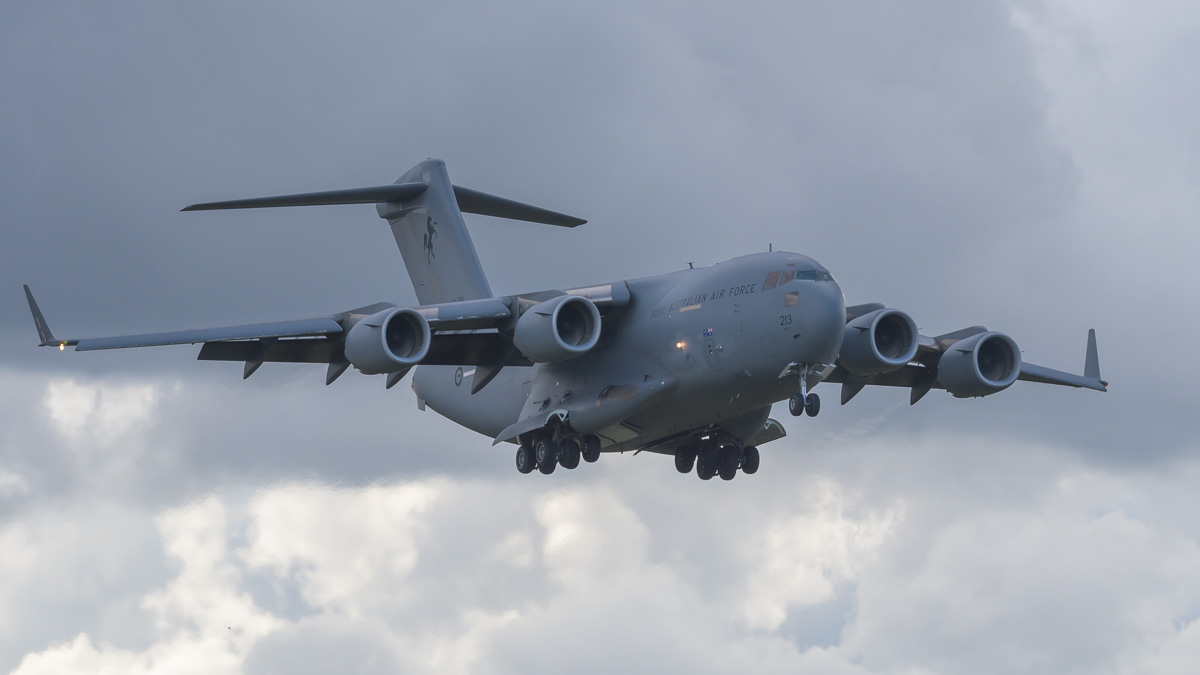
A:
(558, 329)
(387, 341)
(878, 342)
(980, 365)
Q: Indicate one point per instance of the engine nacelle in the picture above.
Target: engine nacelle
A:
(879, 342)
(558, 329)
(387, 341)
(980, 365)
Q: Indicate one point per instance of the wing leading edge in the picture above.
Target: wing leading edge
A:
(467, 333)
(301, 328)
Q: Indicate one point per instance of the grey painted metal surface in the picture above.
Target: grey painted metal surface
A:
(277, 329)
(685, 363)
(433, 239)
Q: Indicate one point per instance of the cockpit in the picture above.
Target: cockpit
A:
(810, 274)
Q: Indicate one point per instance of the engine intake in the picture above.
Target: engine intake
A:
(558, 329)
(387, 341)
(980, 365)
(879, 342)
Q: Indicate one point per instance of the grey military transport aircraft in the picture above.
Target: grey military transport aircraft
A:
(685, 364)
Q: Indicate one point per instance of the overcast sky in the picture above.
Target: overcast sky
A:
(1031, 166)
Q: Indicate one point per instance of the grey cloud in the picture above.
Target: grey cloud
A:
(965, 162)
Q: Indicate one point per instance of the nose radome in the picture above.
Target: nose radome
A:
(822, 309)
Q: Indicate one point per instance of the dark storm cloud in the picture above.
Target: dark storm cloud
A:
(951, 159)
(905, 146)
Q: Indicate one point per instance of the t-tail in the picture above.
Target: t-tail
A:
(425, 213)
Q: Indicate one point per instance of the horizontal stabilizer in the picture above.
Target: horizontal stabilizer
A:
(481, 203)
(469, 201)
(367, 195)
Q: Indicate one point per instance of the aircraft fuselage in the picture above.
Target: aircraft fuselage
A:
(710, 345)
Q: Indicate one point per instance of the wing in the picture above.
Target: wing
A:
(921, 374)
(299, 328)
(471, 332)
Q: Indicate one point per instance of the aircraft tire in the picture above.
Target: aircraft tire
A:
(705, 465)
(546, 453)
(591, 448)
(525, 460)
(685, 459)
(568, 454)
(544, 450)
(812, 405)
(727, 462)
(796, 405)
(750, 459)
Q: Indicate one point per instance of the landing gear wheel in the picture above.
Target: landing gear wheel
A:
(568, 454)
(796, 405)
(749, 459)
(525, 460)
(547, 455)
(685, 458)
(812, 405)
(706, 464)
(728, 462)
(591, 448)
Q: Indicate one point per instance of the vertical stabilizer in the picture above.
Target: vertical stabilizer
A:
(433, 239)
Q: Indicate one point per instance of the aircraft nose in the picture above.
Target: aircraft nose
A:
(822, 314)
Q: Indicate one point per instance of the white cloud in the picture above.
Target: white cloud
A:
(1066, 585)
(70, 567)
(358, 558)
(203, 622)
(351, 550)
(799, 559)
(99, 414)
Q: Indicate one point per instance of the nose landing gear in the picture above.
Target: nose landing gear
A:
(800, 404)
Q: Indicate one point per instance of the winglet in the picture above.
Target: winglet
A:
(1091, 364)
(43, 329)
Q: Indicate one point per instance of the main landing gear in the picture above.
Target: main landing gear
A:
(717, 458)
(546, 450)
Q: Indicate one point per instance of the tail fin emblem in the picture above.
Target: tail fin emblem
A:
(430, 235)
